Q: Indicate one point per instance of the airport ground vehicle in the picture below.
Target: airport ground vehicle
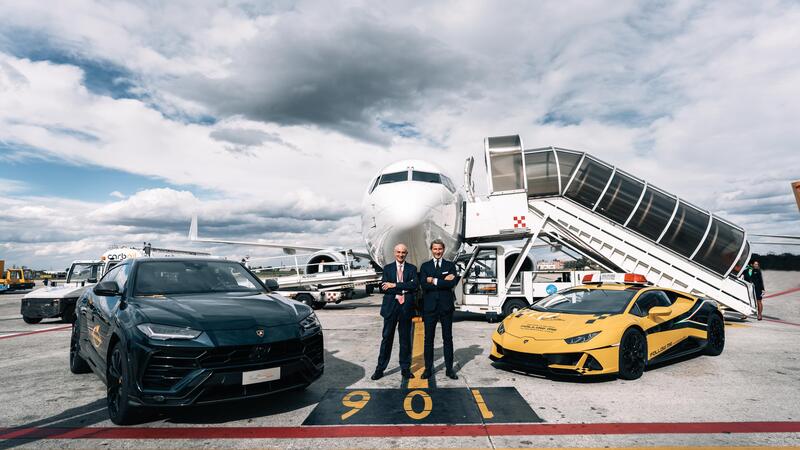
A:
(330, 282)
(612, 324)
(16, 279)
(58, 300)
(166, 332)
(485, 277)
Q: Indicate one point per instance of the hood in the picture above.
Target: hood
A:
(59, 291)
(551, 325)
(219, 311)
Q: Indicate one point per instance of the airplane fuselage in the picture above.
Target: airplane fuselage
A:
(411, 202)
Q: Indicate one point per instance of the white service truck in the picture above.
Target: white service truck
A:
(484, 287)
(58, 299)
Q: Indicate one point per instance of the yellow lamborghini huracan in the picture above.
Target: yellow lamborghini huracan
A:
(613, 323)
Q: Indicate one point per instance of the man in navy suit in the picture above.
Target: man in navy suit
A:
(438, 278)
(399, 286)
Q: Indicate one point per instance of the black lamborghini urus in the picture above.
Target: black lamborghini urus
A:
(166, 332)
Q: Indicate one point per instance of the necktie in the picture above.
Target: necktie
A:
(400, 297)
(437, 265)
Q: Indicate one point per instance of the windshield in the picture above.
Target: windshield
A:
(395, 177)
(586, 301)
(84, 272)
(193, 277)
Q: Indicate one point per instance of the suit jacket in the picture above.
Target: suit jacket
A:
(408, 285)
(438, 297)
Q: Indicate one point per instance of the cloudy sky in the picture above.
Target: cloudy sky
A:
(118, 120)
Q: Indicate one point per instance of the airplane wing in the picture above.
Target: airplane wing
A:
(775, 236)
(289, 249)
(779, 236)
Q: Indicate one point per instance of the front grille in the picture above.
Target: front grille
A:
(564, 359)
(168, 366)
(530, 360)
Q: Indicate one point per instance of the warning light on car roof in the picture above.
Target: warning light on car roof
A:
(624, 278)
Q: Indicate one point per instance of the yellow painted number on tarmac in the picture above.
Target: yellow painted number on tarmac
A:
(427, 405)
(357, 405)
(485, 412)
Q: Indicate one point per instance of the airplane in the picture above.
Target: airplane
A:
(409, 201)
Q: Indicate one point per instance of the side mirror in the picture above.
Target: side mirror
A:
(107, 289)
(91, 280)
(660, 311)
(271, 284)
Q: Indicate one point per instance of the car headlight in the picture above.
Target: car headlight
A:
(164, 332)
(582, 338)
(501, 328)
(310, 324)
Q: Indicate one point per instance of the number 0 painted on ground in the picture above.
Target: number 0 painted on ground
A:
(357, 405)
(427, 405)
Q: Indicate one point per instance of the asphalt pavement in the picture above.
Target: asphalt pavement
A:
(748, 396)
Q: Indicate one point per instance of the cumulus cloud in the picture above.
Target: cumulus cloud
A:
(51, 232)
(292, 106)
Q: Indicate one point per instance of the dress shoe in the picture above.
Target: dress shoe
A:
(406, 373)
(377, 375)
(426, 374)
(451, 374)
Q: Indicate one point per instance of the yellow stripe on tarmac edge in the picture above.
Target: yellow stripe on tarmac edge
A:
(418, 355)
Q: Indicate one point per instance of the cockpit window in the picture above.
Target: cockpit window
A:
(426, 177)
(374, 184)
(448, 184)
(394, 177)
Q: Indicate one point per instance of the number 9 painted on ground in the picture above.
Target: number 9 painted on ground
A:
(357, 405)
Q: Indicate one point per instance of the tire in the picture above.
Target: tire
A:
(119, 408)
(77, 364)
(715, 340)
(370, 288)
(69, 315)
(31, 320)
(308, 299)
(632, 354)
(317, 305)
(513, 305)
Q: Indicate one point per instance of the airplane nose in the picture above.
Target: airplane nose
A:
(407, 216)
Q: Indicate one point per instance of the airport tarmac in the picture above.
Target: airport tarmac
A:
(748, 396)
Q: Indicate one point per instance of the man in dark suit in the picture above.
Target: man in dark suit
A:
(438, 278)
(399, 286)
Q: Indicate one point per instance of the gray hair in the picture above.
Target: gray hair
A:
(437, 241)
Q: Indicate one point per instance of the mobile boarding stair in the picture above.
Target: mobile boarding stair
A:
(619, 221)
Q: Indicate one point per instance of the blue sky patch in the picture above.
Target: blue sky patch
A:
(402, 129)
(54, 178)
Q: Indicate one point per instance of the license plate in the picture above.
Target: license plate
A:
(261, 376)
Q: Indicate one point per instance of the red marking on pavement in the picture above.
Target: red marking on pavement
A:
(782, 292)
(379, 431)
(27, 333)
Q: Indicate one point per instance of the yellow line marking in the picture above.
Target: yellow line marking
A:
(736, 325)
(482, 405)
(418, 356)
